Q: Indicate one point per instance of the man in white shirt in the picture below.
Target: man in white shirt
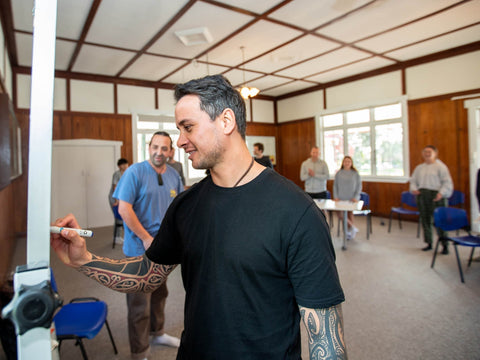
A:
(314, 171)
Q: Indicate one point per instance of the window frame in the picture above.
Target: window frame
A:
(372, 123)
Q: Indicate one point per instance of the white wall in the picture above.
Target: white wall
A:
(445, 76)
(300, 107)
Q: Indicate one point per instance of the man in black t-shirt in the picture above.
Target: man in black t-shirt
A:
(247, 285)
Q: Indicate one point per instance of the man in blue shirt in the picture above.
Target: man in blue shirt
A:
(144, 192)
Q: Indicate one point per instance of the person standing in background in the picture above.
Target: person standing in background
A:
(144, 192)
(347, 186)
(175, 164)
(432, 184)
(122, 166)
(314, 172)
(259, 157)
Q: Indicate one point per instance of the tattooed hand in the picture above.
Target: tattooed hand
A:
(69, 246)
(325, 332)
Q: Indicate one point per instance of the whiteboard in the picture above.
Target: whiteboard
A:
(268, 143)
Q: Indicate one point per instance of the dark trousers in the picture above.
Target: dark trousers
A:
(146, 316)
(426, 207)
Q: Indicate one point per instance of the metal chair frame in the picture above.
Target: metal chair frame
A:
(407, 198)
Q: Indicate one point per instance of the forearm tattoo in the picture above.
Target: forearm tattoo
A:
(133, 274)
(325, 332)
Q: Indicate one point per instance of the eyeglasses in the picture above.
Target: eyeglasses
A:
(160, 180)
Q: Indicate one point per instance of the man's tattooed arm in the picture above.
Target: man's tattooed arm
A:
(133, 274)
(325, 332)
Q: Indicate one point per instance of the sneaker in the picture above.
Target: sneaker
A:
(445, 250)
(354, 232)
(118, 240)
(428, 247)
(166, 340)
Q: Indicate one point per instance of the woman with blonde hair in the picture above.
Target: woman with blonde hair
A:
(347, 186)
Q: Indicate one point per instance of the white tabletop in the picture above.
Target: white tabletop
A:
(327, 204)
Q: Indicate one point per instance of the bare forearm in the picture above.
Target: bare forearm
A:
(325, 332)
(135, 274)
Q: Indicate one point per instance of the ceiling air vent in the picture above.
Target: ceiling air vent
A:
(196, 36)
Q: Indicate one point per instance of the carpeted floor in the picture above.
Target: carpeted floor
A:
(396, 308)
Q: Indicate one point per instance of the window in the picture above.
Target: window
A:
(376, 137)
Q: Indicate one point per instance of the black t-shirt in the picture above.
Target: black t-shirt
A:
(249, 255)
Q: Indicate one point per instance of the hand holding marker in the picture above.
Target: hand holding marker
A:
(81, 232)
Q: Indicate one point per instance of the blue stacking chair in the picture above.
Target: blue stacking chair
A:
(457, 199)
(449, 219)
(408, 199)
(82, 318)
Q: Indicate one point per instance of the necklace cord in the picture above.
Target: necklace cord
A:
(244, 174)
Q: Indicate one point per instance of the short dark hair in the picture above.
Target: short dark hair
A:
(431, 147)
(216, 94)
(122, 161)
(162, 133)
(259, 145)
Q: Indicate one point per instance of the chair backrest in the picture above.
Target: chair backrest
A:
(366, 199)
(408, 199)
(449, 219)
(116, 214)
(457, 198)
(329, 195)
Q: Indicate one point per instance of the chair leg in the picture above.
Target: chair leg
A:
(114, 234)
(458, 262)
(418, 229)
(435, 253)
(390, 221)
(111, 337)
(399, 221)
(368, 226)
(82, 348)
(471, 256)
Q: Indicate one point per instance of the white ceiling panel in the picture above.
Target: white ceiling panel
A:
(237, 77)
(268, 82)
(194, 70)
(22, 14)
(120, 24)
(331, 60)
(352, 69)
(71, 16)
(299, 50)
(255, 6)
(220, 23)
(257, 39)
(381, 16)
(288, 88)
(151, 67)
(445, 42)
(63, 51)
(462, 15)
(311, 14)
(99, 60)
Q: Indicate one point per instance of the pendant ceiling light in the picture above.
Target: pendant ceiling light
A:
(245, 91)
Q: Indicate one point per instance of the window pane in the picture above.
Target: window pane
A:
(358, 116)
(389, 150)
(333, 120)
(333, 148)
(388, 112)
(359, 149)
(148, 125)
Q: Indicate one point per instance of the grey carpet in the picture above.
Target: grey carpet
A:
(396, 306)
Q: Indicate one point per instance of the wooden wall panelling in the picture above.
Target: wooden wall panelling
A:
(7, 233)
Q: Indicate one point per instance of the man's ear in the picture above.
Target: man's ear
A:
(228, 121)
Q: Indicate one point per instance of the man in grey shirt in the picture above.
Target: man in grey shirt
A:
(314, 172)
